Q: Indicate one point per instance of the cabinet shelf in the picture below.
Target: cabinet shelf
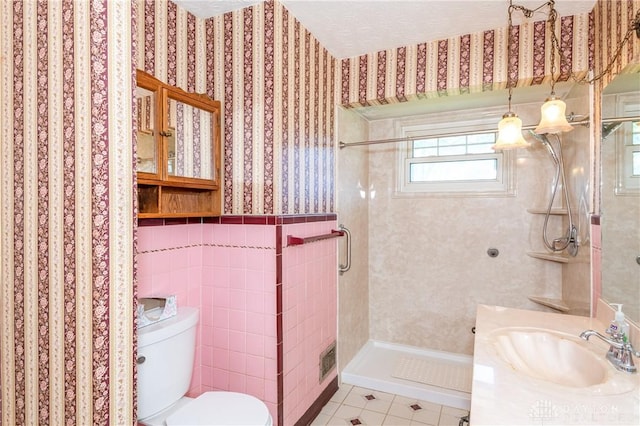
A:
(548, 256)
(174, 201)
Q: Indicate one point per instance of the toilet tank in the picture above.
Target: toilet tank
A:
(166, 352)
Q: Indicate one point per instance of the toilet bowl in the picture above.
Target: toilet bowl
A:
(165, 363)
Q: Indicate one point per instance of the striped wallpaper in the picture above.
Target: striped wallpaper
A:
(465, 64)
(66, 228)
(276, 86)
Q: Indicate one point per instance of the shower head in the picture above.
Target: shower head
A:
(608, 128)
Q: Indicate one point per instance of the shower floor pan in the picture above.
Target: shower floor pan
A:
(406, 370)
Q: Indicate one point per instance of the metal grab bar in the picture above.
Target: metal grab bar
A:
(344, 268)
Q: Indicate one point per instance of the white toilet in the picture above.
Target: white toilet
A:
(165, 363)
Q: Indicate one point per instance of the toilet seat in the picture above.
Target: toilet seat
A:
(222, 408)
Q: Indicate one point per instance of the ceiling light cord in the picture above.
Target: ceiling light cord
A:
(555, 44)
(633, 28)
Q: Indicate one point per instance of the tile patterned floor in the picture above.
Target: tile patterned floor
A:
(353, 405)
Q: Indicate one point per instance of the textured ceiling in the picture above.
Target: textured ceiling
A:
(355, 27)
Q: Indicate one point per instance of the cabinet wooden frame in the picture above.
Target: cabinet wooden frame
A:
(166, 194)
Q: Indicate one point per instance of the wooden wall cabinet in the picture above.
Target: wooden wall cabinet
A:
(178, 151)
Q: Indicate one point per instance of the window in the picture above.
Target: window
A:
(462, 164)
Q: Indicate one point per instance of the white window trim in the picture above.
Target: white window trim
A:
(504, 186)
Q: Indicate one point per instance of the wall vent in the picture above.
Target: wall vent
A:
(327, 361)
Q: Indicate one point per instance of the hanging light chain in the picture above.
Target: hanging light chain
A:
(634, 28)
(509, 52)
(555, 44)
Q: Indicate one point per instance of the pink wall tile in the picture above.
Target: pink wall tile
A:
(237, 382)
(309, 302)
(255, 323)
(256, 366)
(255, 344)
(221, 338)
(229, 273)
(237, 320)
(238, 362)
(256, 235)
(255, 386)
(237, 341)
(221, 318)
(220, 379)
(237, 235)
(220, 358)
(238, 300)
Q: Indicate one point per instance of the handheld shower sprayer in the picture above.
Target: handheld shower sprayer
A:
(569, 241)
(545, 142)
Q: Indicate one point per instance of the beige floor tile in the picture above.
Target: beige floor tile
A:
(386, 409)
(337, 422)
(395, 421)
(449, 420)
(454, 411)
(451, 416)
(369, 399)
(321, 420)
(341, 394)
(417, 423)
(371, 418)
(426, 416)
(347, 412)
(432, 406)
(330, 408)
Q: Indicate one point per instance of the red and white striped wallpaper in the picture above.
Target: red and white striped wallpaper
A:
(276, 86)
(66, 213)
(469, 63)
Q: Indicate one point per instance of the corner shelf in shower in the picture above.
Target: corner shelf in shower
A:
(559, 212)
(548, 256)
(550, 302)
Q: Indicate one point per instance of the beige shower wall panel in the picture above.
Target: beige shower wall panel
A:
(428, 262)
(352, 203)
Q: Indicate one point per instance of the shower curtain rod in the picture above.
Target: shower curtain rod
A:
(620, 119)
(471, 132)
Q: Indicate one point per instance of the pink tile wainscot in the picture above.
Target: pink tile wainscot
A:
(267, 309)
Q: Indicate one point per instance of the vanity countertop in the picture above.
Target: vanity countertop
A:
(501, 395)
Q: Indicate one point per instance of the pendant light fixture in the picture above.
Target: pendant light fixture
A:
(553, 117)
(510, 127)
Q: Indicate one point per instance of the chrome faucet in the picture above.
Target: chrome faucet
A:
(620, 353)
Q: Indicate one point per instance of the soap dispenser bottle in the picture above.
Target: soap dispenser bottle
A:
(619, 324)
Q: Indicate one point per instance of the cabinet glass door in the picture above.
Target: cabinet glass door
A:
(190, 134)
(147, 146)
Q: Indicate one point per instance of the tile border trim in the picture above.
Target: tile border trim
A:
(242, 219)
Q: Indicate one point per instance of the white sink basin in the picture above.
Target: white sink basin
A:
(549, 356)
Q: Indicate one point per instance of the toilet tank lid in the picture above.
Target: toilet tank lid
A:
(222, 408)
(186, 318)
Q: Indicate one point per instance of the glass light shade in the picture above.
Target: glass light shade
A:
(553, 118)
(510, 133)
